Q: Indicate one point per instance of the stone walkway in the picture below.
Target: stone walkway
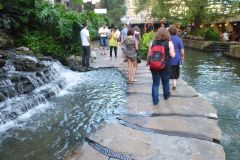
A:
(181, 128)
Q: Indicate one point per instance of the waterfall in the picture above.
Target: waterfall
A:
(21, 91)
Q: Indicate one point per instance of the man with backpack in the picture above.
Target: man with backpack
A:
(159, 56)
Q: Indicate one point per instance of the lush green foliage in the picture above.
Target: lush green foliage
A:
(146, 40)
(94, 22)
(190, 11)
(67, 23)
(116, 10)
(40, 42)
(211, 35)
(49, 29)
(16, 15)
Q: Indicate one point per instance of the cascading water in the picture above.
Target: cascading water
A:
(49, 111)
(23, 90)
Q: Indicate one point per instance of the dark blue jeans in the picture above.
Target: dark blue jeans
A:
(156, 76)
(86, 56)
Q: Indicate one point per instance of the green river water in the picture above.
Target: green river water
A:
(217, 79)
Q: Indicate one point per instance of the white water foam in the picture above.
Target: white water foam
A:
(17, 122)
(70, 78)
(30, 58)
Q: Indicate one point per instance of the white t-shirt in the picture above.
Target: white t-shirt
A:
(118, 33)
(103, 32)
(84, 37)
(225, 36)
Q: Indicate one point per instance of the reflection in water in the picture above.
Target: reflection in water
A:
(51, 130)
(217, 79)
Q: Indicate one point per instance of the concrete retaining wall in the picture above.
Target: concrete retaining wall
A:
(231, 49)
(196, 44)
(235, 51)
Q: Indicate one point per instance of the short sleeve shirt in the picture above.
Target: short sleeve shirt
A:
(124, 33)
(178, 45)
(84, 37)
(103, 31)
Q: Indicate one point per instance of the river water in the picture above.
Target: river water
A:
(52, 129)
(217, 79)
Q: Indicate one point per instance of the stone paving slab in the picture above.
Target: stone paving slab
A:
(205, 126)
(142, 103)
(156, 132)
(141, 145)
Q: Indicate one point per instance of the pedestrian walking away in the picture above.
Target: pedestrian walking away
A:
(124, 32)
(159, 55)
(137, 34)
(85, 38)
(179, 57)
(131, 54)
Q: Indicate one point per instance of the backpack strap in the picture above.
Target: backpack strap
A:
(163, 43)
(166, 46)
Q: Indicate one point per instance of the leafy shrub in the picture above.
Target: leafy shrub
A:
(42, 43)
(146, 40)
(201, 32)
(209, 34)
(72, 48)
(53, 30)
(16, 15)
(67, 23)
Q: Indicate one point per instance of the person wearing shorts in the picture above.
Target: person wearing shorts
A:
(103, 33)
(179, 57)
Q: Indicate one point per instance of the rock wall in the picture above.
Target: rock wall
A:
(196, 44)
(5, 41)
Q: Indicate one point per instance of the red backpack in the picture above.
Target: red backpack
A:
(157, 57)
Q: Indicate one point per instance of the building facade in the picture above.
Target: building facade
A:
(132, 17)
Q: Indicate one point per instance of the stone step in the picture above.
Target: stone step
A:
(141, 145)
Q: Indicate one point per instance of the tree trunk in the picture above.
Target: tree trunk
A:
(197, 22)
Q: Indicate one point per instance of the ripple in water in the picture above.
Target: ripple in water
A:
(51, 130)
(217, 79)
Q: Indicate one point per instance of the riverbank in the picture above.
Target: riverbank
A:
(183, 127)
(230, 49)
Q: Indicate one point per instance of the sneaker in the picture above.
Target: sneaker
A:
(155, 103)
(167, 97)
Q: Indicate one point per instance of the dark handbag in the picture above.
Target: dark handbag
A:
(138, 60)
(138, 57)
